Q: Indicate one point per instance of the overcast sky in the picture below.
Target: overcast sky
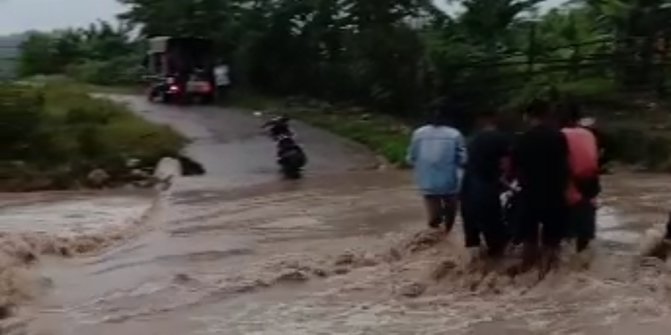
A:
(21, 15)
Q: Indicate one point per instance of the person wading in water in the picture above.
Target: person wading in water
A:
(584, 183)
(488, 159)
(437, 152)
(540, 161)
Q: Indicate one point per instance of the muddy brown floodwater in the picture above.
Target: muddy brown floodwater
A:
(343, 251)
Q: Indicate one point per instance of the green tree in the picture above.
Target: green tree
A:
(38, 55)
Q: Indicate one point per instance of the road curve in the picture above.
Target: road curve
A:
(231, 145)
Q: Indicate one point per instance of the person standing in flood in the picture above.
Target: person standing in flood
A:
(488, 159)
(584, 184)
(437, 152)
(540, 161)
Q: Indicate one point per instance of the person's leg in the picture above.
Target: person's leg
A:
(528, 227)
(512, 214)
(434, 206)
(554, 219)
(493, 227)
(584, 219)
(450, 205)
(469, 215)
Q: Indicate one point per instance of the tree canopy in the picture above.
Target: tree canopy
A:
(396, 56)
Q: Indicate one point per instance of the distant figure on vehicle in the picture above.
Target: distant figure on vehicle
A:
(437, 152)
(488, 159)
(222, 80)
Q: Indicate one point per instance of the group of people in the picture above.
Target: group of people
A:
(551, 169)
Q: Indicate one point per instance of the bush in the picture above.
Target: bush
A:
(116, 71)
(54, 135)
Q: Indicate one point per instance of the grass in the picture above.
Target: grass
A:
(382, 134)
(385, 136)
(55, 133)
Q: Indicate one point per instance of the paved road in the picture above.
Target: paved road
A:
(231, 145)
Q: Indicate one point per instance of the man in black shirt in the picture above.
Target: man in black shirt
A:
(540, 161)
(488, 153)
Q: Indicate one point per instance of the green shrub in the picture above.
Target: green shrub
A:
(115, 71)
(57, 133)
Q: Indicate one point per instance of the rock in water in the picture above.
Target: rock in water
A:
(191, 167)
(168, 168)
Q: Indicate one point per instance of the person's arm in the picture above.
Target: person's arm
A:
(461, 152)
(411, 156)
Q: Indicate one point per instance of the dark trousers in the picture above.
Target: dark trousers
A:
(482, 214)
(441, 209)
(544, 213)
(582, 218)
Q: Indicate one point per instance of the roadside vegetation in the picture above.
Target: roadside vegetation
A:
(385, 135)
(55, 136)
(101, 54)
(392, 59)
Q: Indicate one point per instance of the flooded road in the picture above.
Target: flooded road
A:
(343, 251)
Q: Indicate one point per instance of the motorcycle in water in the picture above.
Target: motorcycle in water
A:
(290, 155)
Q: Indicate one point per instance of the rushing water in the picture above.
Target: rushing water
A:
(342, 252)
(339, 254)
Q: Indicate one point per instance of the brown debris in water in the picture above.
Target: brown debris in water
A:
(425, 240)
(293, 276)
(443, 269)
(345, 259)
(413, 290)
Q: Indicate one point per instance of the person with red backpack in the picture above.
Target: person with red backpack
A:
(584, 182)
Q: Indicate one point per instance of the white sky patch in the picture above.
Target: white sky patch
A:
(21, 15)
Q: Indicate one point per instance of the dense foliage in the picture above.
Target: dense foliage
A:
(53, 136)
(397, 55)
(99, 54)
